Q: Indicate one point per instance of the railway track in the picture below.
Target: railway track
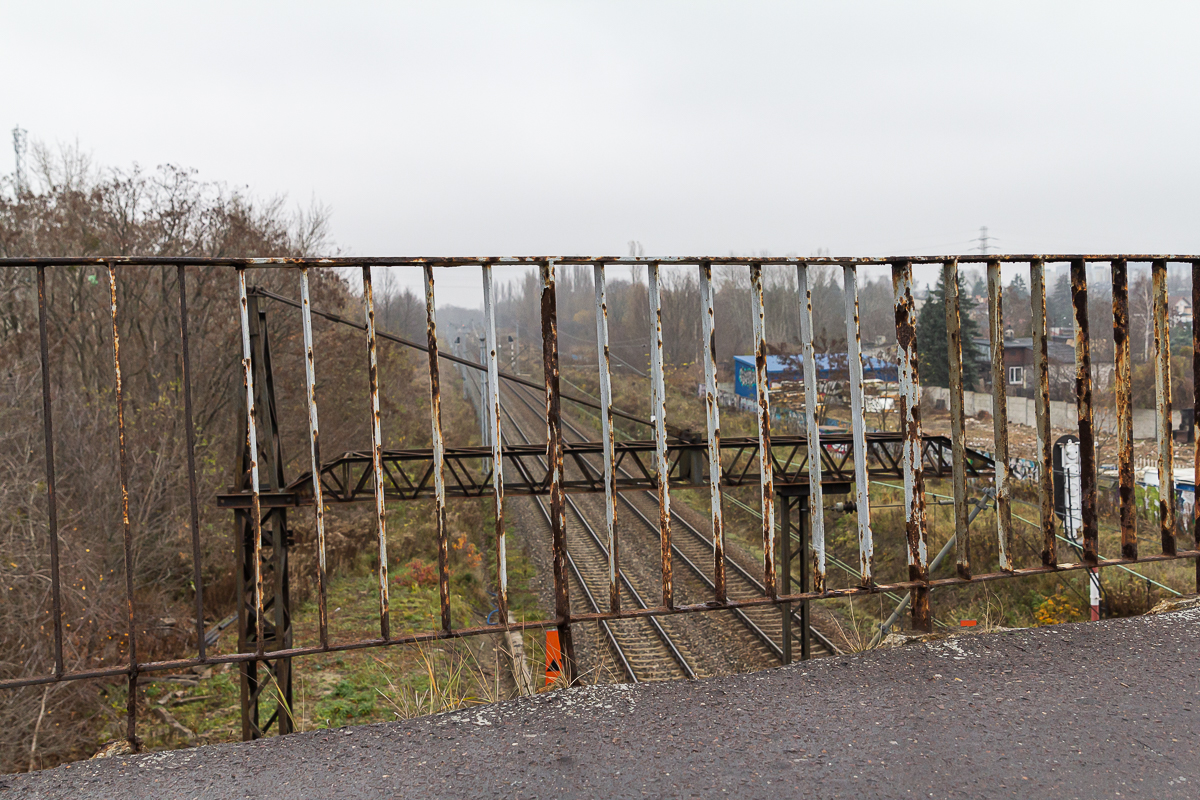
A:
(642, 648)
(695, 551)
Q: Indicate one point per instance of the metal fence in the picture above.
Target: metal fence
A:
(783, 467)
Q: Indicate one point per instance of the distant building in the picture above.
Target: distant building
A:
(830, 367)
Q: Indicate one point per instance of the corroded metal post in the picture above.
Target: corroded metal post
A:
(812, 429)
(126, 525)
(862, 496)
(554, 457)
(491, 410)
(1196, 408)
(439, 457)
(765, 467)
(1045, 446)
(1162, 407)
(51, 492)
(1124, 402)
(607, 436)
(957, 422)
(910, 425)
(377, 453)
(713, 420)
(1083, 394)
(1000, 415)
(658, 411)
(314, 451)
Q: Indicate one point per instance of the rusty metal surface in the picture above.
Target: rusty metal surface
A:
(1196, 404)
(314, 452)
(802, 463)
(439, 463)
(766, 482)
(554, 458)
(658, 411)
(915, 523)
(1000, 414)
(1162, 407)
(51, 492)
(607, 437)
(1124, 402)
(377, 452)
(713, 422)
(126, 524)
(1083, 399)
(1041, 396)
(862, 494)
(962, 530)
(816, 510)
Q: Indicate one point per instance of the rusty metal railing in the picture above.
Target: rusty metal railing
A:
(782, 466)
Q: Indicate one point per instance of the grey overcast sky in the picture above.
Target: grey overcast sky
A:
(867, 128)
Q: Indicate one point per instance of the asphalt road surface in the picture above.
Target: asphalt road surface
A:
(1079, 711)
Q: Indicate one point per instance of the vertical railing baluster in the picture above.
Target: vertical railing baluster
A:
(1000, 415)
(51, 491)
(190, 441)
(658, 410)
(812, 424)
(252, 449)
(962, 531)
(915, 525)
(1162, 407)
(554, 457)
(607, 436)
(1041, 396)
(377, 452)
(1196, 412)
(1083, 393)
(492, 411)
(766, 476)
(314, 452)
(862, 496)
(713, 421)
(1124, 403)
(126, 524)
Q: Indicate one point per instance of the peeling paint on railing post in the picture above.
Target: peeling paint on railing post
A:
(607, 436)
(962, 531)
(766, 480)
(377, 453)
(51, 492)
(252, 449)
(439, 452)
(1083, 394)
(1196, 410)
(554, 456)
(1000, 415)
(862, 496)
(1162, 407)
(1124, 403)
(813, 431)
(915, 526)
(1045, 446)
(713, 421)
(127, 528)
(314, 452)
(658, 410)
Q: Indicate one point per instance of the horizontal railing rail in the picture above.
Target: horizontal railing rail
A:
(782, 466)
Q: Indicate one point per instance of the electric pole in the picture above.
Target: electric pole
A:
(983, 240)
(20, 145)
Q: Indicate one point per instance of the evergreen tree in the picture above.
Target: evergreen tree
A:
(1059, 311)
(932, 341)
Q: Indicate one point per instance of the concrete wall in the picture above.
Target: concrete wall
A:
(1023, 411)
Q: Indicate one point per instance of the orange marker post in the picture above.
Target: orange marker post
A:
(553, 657)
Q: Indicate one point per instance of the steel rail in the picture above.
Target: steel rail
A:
(742, 572)
(663, 635)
